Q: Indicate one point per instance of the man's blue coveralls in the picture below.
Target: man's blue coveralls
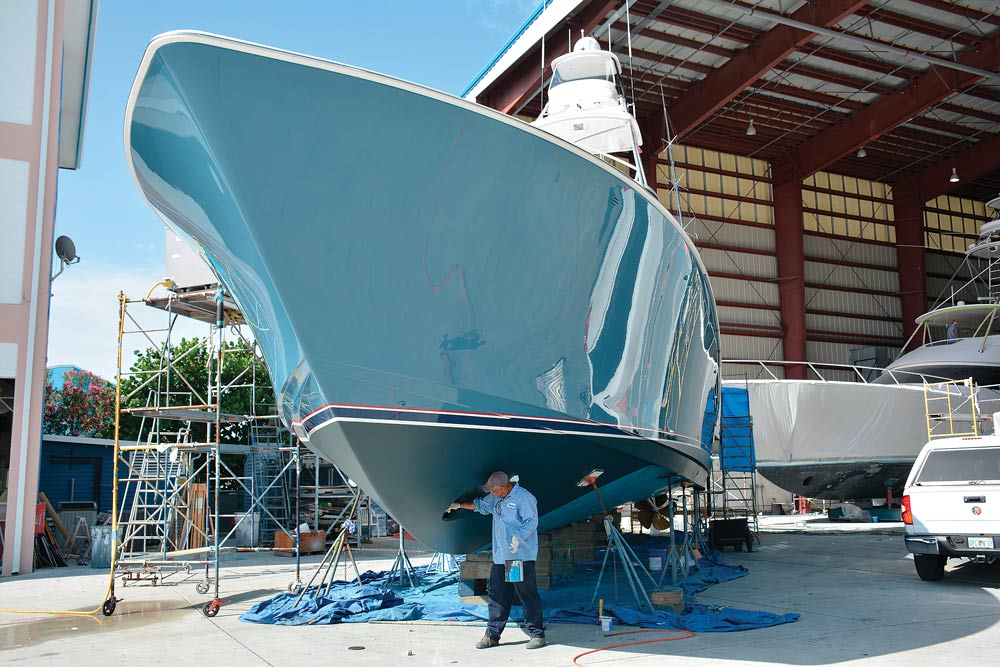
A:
(513, 516)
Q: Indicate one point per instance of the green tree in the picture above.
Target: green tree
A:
(83, 406)
(188, 379)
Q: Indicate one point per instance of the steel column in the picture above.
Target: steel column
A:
(908, 208)
(654, 133)
(791, 274)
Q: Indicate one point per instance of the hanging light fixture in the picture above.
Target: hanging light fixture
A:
(751, 130)
(954, 176)
(862, 152)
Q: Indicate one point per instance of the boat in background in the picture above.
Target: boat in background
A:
(852, 440)
(439, 290)
(973, 351)
(839, 440)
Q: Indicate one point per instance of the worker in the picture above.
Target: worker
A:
(515, 538)
(953, 331)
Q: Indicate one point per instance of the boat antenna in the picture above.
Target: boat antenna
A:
(541, 82)
(670, 157)
(631, 72)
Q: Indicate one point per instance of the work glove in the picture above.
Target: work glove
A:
(453, 507)
(514, 544)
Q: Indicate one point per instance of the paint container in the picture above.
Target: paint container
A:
(657, 557)
(607, 624)
(514, 571)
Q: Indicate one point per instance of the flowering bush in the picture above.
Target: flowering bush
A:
(83, 406)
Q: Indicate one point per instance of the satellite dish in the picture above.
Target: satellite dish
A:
(66, 250)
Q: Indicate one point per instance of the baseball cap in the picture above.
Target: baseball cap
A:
(499, 478)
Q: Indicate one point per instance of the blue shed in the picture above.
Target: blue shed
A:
(77, 469)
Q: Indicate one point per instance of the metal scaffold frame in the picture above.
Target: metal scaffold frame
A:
(734, 482)
(171, 478)
(357, 506)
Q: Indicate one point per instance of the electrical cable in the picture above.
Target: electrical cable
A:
(686, 634)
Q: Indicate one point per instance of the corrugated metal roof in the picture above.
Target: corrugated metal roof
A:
(890, 43)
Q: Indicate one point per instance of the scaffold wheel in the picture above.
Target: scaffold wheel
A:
(109, 606)
(202, 587)
(211, 609)
(295, 587)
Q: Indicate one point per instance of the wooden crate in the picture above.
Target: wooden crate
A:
(475, 570)
(672, 599)
(311, 542)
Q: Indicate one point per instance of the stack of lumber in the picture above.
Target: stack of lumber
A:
(331, 501)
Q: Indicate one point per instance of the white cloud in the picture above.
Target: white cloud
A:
(83, 324)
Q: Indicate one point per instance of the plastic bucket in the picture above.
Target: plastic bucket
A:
(607, 624)
(657, 557)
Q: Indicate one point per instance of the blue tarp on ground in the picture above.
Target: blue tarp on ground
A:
(436, 599)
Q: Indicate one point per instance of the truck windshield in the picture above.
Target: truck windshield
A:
(961, 465)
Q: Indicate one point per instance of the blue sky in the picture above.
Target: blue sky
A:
(438, 43)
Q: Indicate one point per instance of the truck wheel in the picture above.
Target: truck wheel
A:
(929, 567)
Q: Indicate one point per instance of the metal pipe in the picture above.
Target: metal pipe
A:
(219, 314)
(298, 521)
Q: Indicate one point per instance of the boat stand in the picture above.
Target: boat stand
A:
(401, 566)
(327, 570)
(631, 565)
(683, 558)
(442, 563)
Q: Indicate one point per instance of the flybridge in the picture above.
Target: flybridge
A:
(587, 108)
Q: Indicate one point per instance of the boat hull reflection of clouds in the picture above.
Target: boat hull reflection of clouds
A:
(440, 291)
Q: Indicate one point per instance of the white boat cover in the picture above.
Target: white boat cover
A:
(804, 422)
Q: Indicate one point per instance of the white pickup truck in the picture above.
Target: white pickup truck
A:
(951, 503)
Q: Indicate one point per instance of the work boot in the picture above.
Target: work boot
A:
(487, 642)
(536, 642)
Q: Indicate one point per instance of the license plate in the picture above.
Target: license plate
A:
(980, 542)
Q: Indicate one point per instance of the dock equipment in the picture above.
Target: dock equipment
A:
(631, 565)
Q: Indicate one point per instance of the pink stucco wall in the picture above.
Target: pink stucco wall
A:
(24, 142)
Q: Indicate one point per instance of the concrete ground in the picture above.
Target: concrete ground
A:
(860, 599)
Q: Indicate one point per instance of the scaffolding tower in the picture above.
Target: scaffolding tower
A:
(734, 483)
(169, 481)
(331, 497)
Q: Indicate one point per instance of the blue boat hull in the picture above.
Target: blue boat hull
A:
(439, 290)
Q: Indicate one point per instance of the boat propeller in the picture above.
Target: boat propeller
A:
(655, 511)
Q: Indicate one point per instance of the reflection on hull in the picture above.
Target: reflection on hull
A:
(544, 312)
